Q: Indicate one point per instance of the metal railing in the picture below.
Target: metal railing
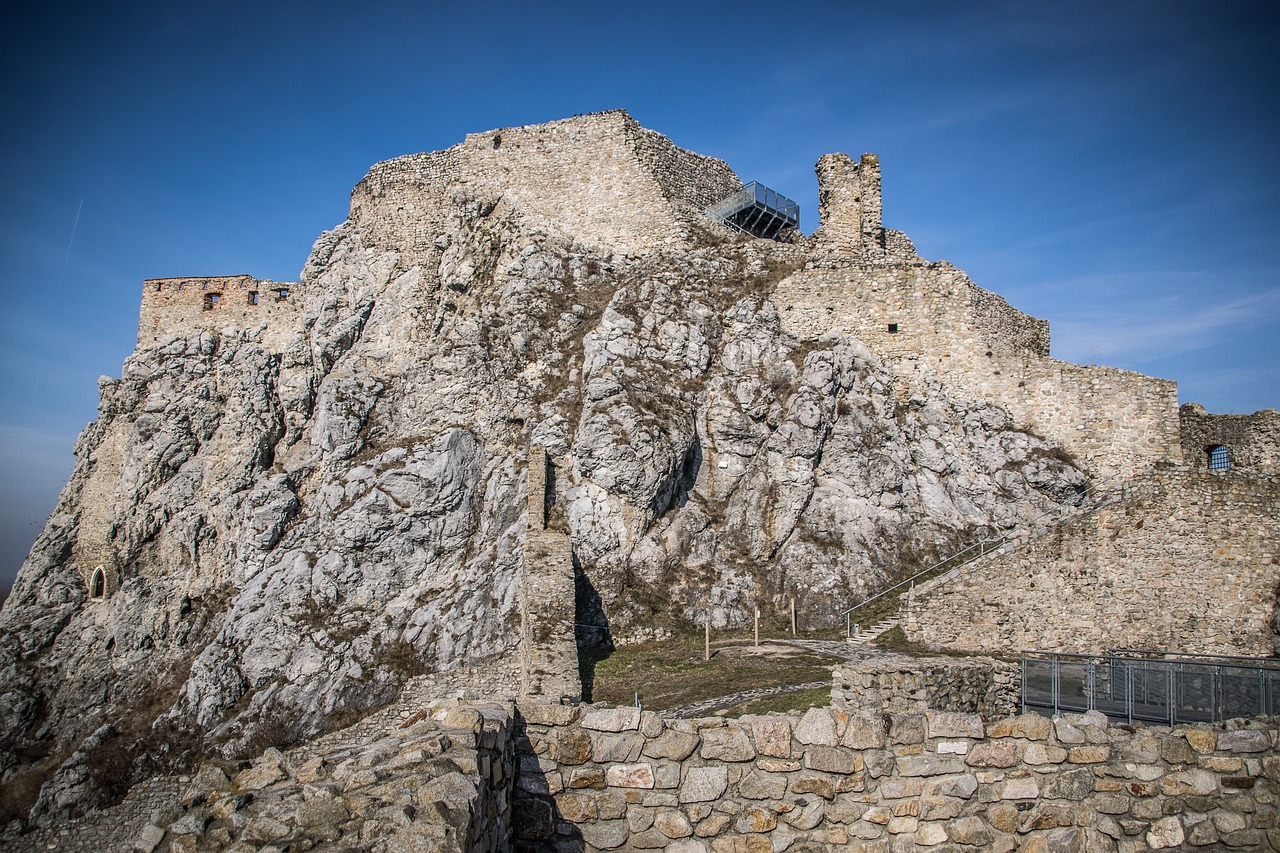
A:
(756, 209)
(1167, 690)
(980, 549)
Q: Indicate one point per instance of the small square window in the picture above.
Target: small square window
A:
(893, 328)
(282, 293)
(1219, 458)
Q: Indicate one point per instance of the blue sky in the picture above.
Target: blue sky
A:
(1110, 167)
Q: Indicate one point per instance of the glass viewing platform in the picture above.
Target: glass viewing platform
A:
(757, 210)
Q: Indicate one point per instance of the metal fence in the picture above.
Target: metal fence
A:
(1133, 686)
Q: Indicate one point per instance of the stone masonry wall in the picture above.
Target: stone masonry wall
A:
(1252, 441)
(849, 207)
(1185, 562)
(886, 682)
(548, 649)
(599, 178)
(172, 306)
(932, 324)
(626, 779)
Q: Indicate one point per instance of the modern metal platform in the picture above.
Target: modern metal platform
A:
(756, 209)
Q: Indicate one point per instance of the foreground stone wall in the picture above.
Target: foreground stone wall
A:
(1185, 562)
(987, 687)
(623, 778)
(449, 776)
(173, 306)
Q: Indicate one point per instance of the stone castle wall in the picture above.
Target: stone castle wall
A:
(601, 179)
(1185, 562)
(900, 684)
(172, 306)
(931, 323)
(1252, 441)
(462, 778)
(626, 779)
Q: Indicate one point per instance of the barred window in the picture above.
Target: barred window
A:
(1219, 457)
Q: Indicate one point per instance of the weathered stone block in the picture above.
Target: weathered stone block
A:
(629, 776)
(962, 787)
(741, 844)
(993, 754)
(772, 736)
(547, 713)
(1031, 726)
(928, 765)
(612, 720)
(1069, 785)
(1246, 740)
(728, 744)
(817, 728)
(1189, 782)
(605, 834)
(757, 785)
(1020, 789)
(830, 759)
(756, 819)
(672, 744)
(907, 729)
(969, 830)
(704, 784)
(865, 730)
(949, 724)
(606, 748)
(569, 745)
(806, 784)
(1165, 833)
(576, 807)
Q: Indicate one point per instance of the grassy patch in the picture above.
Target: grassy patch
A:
(801, 700)
(673, 673)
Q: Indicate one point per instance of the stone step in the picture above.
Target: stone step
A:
(867, 635)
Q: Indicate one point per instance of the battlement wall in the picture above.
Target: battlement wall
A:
(174, 306)
(1252, 441)
(932, 323)
(1185, 562)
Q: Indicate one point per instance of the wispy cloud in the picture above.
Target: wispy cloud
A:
(1153, 315)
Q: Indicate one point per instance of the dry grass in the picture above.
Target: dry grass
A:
(801, 700)
(673, 673)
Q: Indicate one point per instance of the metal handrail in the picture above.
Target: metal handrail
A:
(1166, 691)
(982, 551)
(1254, 661)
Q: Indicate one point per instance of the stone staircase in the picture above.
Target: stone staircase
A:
(866, 635)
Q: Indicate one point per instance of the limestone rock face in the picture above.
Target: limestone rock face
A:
(293, 521)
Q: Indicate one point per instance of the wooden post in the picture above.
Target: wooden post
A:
(793, 615)
(757, 626)
(706, 648)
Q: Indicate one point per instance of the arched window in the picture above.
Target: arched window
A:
(98, 583)
(1219, 457)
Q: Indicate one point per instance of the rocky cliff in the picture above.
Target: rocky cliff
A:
(291, 516)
